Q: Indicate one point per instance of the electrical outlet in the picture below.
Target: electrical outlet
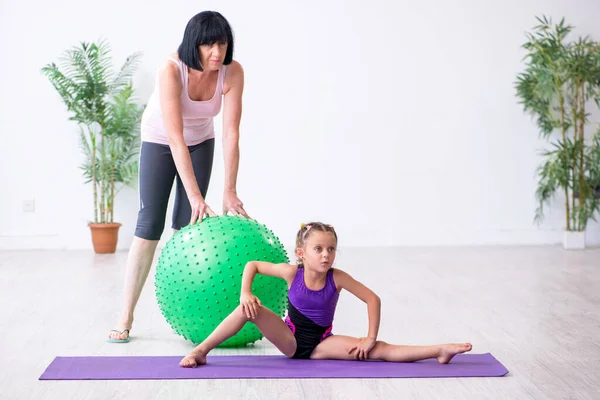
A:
(29, 205)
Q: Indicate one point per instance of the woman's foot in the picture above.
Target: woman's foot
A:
(195, 358)
(122, 331)
(448, 351)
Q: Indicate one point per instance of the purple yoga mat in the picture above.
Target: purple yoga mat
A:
(273, 367)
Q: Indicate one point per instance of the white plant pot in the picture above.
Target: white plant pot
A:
(574, 240)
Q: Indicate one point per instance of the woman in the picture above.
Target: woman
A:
(178, 142)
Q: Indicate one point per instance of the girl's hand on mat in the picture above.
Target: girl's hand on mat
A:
(231, 203)
(250, 305)
(362, 348)
(199, 209)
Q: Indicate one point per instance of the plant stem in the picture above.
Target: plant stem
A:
(94, 177)
(103, 188)
(575, 172)
(563, 133)
(112, 191)
(582, 192)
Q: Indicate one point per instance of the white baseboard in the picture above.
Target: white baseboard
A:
(435, 238)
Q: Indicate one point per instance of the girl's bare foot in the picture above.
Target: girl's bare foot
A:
(192, 360)
(448, 351)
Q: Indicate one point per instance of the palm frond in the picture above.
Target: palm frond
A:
(123, 77)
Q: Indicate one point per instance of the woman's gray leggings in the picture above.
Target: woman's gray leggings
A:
(156, 175)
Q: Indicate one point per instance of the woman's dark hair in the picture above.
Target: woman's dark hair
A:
(207, 27)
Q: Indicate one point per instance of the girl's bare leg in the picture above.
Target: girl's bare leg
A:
(269, 323)
(338, 347)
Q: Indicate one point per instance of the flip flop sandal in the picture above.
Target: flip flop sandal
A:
(109, 340)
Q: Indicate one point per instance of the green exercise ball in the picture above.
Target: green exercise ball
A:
(199, 276)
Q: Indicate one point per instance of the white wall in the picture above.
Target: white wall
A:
(395, 121)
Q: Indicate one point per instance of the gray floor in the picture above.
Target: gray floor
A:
(537, 309)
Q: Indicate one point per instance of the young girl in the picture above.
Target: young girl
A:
(314, 287)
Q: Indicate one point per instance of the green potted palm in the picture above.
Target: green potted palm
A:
(559, 87)
(102, 104)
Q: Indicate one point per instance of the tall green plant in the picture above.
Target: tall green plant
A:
(103, 105)
(559, 80)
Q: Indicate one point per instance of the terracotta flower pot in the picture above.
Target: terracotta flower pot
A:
(105, 237)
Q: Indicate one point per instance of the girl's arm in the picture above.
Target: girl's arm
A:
(251, 303)
(284, 271)
(344, 281)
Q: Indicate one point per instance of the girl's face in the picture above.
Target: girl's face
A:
(318, 252)
(213, 55)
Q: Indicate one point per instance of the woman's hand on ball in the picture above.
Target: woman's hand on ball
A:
(199, 208)
(250, 305)
(232, 203)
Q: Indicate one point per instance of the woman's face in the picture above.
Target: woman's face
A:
(212, 55)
